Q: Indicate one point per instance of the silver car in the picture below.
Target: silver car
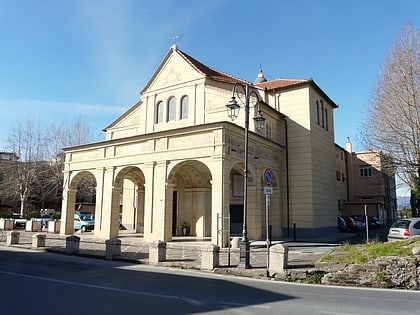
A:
(80, 223)
(402, 229)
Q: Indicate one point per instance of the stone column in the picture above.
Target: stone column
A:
(220, 202)
(72, 244)
(108, 203)
(158, 218)
(113, 248)
(140, 210)
(148, 200)
(67, 211)
(210, 257)
(38, 240)
(256, 203)
(157, 252)
(12, 238)
(167, 211)
(278, 258)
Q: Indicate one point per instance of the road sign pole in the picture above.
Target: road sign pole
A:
(268, 190)
(267, 227)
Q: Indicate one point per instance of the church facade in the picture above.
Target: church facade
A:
(174, 162)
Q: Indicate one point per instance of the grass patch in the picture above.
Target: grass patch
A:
(360, 253)
(377, 249)
(314, 277)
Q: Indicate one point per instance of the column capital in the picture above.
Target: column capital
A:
(170, 185)
(162, 163)
(150, 164)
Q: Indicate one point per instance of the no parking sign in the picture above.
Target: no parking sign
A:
(268, 176)
(268, 180)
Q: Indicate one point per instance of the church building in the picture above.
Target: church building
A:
(173, 164)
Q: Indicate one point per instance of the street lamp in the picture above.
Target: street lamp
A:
(233, 112)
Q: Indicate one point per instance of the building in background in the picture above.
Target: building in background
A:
(367, 183)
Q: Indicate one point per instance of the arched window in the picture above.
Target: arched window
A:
(159, 113)
(326, 119)
(317, 113)
(172, 109)
(184, 107)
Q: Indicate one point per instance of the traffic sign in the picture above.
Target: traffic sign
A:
(268, 190)
(268, 176)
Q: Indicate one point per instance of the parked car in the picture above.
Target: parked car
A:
(403, 229)
(81, 212)
(80, 223)
(351, 225)
(342, 226)
(374, 222)
(360, 222)
(88, 217)
(19, 220)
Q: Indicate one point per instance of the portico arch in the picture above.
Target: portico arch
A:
(76, 185)
(190, 182)
(130, 183)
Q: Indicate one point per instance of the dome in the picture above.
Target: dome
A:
(260, 78)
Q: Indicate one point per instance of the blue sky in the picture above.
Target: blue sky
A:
(64, 60)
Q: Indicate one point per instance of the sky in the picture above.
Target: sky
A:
(61, 61)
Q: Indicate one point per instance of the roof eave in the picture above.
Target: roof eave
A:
(304, 83)
(121, 117)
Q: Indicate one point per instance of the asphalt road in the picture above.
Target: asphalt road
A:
(36, 282)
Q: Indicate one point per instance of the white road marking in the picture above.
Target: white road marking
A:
(244, 305)
(337, 313)
(91, 285)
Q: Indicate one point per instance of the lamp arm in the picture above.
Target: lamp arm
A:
(235, 90)
(257, 96)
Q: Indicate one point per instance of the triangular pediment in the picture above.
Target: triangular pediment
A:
(130, 118)
(176, 74)
(173, 70)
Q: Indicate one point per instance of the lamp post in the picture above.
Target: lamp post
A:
(233, 112)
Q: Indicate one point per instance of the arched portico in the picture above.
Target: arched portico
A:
(71, 187)
(130, 181)
(179, 195)
(189, 185)
(120, 199)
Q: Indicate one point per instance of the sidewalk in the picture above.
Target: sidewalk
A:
(184, 252)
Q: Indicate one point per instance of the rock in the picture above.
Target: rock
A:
(416, 250)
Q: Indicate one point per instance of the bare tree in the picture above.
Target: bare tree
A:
(27, 142)
(393, 123)
(37, 176)
(77, 132)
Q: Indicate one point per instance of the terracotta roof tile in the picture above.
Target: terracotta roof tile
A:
(210, 72)
(279, 83)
